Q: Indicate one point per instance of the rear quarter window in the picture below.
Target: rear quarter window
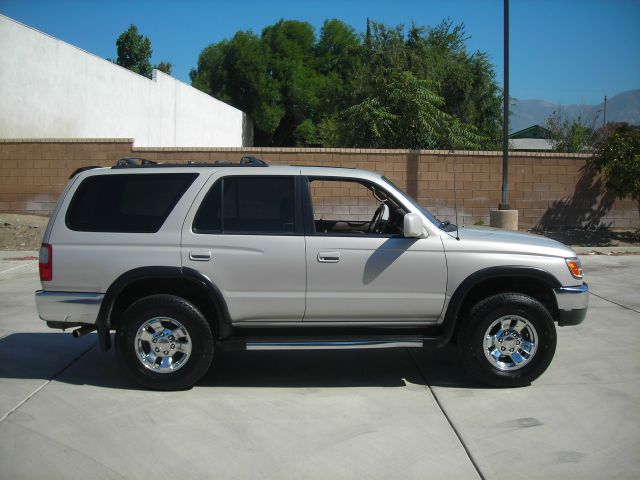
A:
(129, 203)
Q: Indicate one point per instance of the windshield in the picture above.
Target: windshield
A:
(430, 217)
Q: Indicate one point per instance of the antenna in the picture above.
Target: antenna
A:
(455, 199)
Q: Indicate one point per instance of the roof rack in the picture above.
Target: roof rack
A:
(136, 162)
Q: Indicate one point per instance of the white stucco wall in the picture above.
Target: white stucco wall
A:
(51, 89)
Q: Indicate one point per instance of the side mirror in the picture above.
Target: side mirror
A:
(413, 227)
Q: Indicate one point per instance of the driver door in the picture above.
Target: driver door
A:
(357, 275)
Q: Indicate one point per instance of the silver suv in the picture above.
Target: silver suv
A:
(182, 260)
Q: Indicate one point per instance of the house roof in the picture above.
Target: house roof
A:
(534, 131)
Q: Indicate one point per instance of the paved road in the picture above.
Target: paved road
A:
(66, 411)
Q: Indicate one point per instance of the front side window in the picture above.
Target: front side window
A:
(128, 203)
(248, 205)
(353, 207)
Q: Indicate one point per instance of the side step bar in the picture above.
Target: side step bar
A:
(321, 343)
(328, 344)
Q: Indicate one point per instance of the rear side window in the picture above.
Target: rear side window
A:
(246, 205)
(137, 203)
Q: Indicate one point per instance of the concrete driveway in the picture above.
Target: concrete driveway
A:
(66, 410)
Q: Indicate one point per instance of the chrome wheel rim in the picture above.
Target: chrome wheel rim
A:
(510, 342)
(163, 345)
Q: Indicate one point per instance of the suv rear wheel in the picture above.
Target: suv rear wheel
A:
(507, 340)
(164, 342)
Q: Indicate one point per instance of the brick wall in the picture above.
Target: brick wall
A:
(548, 189)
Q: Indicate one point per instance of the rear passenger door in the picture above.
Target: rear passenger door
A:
(245, 233)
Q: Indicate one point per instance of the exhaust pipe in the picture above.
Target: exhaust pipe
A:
(83, 331)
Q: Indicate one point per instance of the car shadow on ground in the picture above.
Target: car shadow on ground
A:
(59, 356)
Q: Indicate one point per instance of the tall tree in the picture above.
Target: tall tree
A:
(424, 87)
(134, 53)
(419, 89)
(404, 113)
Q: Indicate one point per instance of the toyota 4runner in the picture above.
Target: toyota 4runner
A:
(183, 259)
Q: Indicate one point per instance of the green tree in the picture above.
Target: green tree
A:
(618, 158)
(465, 81)
(419, 89)
(402, 96)
(406, 114)
(237, 72)
(285, 79)
(165, 67)
(571, 135)
(134, 53)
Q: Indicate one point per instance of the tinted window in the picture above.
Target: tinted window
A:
(248, 205)
(208, 218)
(126, 203)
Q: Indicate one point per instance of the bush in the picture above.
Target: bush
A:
(618, 158)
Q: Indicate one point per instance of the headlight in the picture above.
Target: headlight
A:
(575, 267)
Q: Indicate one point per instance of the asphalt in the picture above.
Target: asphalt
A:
(67, 411)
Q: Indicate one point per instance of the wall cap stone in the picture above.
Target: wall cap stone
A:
(361, 151)
(357, 151)
(66, 140)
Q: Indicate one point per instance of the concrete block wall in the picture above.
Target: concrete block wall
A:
(342, 201)
(548, 189)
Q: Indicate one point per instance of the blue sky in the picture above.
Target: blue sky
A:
(563, 51)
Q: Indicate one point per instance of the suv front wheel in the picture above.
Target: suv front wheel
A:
(507, 340)
(164, 342)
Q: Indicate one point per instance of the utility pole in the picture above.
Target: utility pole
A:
(504, 217)
(604, 118)
(505, 116)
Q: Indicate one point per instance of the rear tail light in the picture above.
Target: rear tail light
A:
(46, 262)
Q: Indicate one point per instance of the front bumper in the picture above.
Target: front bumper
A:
(68, 307)
(572, 304)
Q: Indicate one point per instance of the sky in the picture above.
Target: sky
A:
(562, 51)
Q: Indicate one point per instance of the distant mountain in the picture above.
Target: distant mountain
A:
(623, 107)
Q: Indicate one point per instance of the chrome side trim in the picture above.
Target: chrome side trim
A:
(333, 345)
(572, 298)
(72, 307)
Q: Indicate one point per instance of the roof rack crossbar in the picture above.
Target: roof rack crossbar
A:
(135, 162)
(251, 160)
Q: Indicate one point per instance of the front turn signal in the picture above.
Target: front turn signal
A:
(575, 267)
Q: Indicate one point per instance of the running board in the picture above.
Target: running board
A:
(322, 343)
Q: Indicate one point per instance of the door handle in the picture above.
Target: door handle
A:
(200, 256)
(329, 257)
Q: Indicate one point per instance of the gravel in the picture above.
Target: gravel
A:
(21, 232)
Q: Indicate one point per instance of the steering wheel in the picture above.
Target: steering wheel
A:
(379, 219)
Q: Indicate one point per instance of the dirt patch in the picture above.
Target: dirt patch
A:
(577, 237)
(21, 232)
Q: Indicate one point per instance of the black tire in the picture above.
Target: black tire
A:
(503, 370)
(192, 332)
